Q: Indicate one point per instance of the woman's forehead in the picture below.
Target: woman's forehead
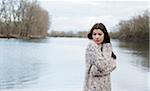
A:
(97, 31)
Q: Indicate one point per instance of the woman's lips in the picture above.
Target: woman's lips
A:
(97, 40)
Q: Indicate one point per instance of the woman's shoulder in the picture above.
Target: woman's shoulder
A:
(107, 48)
(107, 45)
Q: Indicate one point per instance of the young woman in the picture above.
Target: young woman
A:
(100, 60)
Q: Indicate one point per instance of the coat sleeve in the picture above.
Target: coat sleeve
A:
(107, 52)
(102, 61)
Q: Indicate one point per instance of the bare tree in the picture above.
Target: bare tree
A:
(136, 28)
(24, 18)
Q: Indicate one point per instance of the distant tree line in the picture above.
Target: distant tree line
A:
(137, 28)
(68, 34)
(23, 19)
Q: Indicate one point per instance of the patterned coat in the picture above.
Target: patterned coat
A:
(99, 65)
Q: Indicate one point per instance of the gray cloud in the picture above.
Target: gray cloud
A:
(80, 15)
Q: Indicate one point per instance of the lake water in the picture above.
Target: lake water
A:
(58, 64)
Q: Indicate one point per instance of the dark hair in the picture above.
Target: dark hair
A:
(102, 27)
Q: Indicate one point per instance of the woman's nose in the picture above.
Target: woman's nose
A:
(97, 36)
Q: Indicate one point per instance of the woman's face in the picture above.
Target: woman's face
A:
(98, 36)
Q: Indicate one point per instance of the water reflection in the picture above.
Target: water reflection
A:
(139, 49)
(18, 74)
(44, 40)
(39, 64)
(22, 41)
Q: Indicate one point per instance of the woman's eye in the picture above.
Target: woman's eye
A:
(99, 34)
(94, 34)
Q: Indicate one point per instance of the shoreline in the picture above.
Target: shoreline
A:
(23, 37)
(44, 36)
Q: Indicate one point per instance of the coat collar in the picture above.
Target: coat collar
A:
(94, 44)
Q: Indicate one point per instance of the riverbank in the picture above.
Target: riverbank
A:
(44, 36)
(123, 37)
(134, 29)
(23, 37)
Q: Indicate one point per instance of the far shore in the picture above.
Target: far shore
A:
(23, 37)
(44, 36)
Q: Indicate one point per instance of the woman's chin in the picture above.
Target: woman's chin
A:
(98, 43)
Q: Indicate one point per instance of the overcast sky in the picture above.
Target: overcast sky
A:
(81, 15)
